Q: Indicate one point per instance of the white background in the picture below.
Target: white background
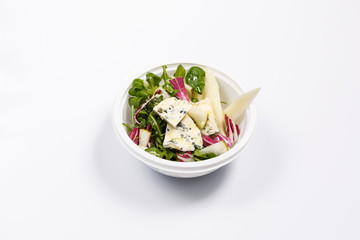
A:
(64, 175)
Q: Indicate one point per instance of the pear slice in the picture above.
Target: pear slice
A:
(200, 117)
(144, 137)
(217, 148)
(238, 108)
(211, 91)
(189, 90)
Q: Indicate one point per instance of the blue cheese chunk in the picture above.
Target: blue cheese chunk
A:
(184, 137)
(210, 127)
(172, 110)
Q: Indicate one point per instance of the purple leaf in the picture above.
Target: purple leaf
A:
(178, 84)
(134, 135)
(185, 157)
(227, 140)
(232, 129)
(207, 141)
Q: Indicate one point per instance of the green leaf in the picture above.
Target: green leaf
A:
(135, 101)
(195, 77)
(153, 80)
(223, 102)
(128, 127)
(162, 153)
(138, 89)
(180, 71)
(200, 156)
(194, 100)
(138, 84)
(155, 124)
(169, 88)
(165, 76)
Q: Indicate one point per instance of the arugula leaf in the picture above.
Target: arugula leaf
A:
(165, 76)
(155, 124)
(199, 156)
(195, 77)
(180, 71)
(128, 127)
(142, 118)
(158, 130)
(153, 80)
(162, 153)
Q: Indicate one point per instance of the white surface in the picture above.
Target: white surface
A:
(63, 174)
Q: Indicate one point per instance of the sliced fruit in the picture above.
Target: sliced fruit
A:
(238, 108)
(188, 89)
(144, 137)
(200, 117)
(217, 148)
(211, 91)
(210, 126)
(142, 147)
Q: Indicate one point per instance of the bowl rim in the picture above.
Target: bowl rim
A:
(117, 116)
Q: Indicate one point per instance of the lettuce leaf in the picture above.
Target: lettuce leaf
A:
(199, 156)
(180, 71)
(153, 81)
(195, 77)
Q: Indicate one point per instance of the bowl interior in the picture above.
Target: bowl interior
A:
(229, 90)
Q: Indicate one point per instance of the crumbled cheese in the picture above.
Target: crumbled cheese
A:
(172, 110)
(184, 137)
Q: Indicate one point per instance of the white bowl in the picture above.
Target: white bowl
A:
(229, 91)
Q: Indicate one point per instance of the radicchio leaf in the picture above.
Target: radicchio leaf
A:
(185, 157)
(227, 140)
(178, 84)
(207, 141)
(134, 135)
(232, 129)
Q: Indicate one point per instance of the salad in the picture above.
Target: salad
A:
(180, 117)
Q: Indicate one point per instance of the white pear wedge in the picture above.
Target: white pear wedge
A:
(238, 108)
(200, 117)
(217, 148)
(144, 137)
(211, 91)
